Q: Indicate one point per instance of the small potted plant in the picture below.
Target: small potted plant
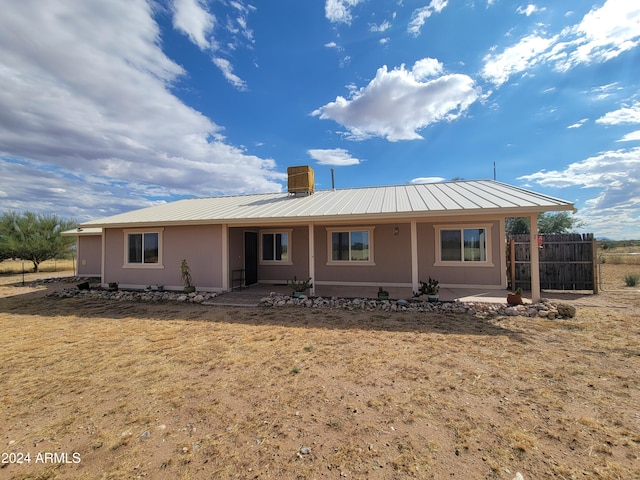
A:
(515, 298)
(185, 276)
(299, 287)
(382, 294)
(430, 288)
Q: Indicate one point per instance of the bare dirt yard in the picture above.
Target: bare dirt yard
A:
(96, 389)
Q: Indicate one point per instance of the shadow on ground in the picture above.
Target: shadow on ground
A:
(38, 302)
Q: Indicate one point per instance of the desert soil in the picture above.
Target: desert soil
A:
(111, 390)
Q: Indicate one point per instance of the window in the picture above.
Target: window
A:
(274, 247)
(350, 246)
(143, 248)
(467, 245)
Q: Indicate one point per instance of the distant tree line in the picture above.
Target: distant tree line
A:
(34, 237)
(562, 222)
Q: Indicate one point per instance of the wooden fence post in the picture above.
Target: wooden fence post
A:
(596, 280)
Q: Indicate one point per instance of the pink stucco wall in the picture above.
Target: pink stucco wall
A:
(300, 259)
(458, 275)
(200, 245)
(89, 251)
(391, 255)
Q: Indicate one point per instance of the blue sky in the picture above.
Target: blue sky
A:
(110, 106)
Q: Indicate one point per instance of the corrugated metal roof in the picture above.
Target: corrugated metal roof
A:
(423, 200)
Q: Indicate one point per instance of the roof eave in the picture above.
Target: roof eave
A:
(382, 216)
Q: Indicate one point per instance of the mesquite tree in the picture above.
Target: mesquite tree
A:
(34, 237)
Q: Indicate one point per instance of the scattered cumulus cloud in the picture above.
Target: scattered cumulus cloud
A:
(399, 102)
(338, 157)
(623, 115)
(61, 108)
(616, 176)
(383, 27)
(339, 11)
(420, 180)
(529, 10)
(631, 137)
(498, 68)
(192, 18)
(227, 70)
(602, 34)
(579, 123)
(420, 15)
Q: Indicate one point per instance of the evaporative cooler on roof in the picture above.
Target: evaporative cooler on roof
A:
(301, 180)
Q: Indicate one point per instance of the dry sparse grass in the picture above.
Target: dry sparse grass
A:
(16, 266)
(191, 392)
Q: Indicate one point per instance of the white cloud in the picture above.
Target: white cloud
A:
(383, 27)
(529, 10)
(396, 104)
(603, 33)
(616, 175)
(339, 11)
(427, 180)
(579, 123)
(621, 116)
(192, 18)
(96, 98)
(498, 68)
(631, 137)
(335, 156)
(425, 68)
(227, 70)
(420, 15)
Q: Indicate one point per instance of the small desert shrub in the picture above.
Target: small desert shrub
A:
(632, 280)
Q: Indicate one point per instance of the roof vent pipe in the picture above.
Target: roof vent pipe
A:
(333, 181)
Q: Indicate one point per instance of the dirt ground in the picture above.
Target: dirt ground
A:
(111, 390)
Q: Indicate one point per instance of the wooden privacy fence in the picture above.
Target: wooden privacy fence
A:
(567, 262)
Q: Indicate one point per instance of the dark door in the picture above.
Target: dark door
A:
(250, 258)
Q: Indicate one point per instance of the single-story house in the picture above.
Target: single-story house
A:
(390, 237)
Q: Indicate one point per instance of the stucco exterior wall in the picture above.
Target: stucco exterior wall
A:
(391, 257)
(89, 251)
(466, 274)
(200, 245)
(299, 251)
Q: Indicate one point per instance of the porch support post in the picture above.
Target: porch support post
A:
(415, 275)
(225, 257)
(312, 260)
(535, 258)
(504, 245)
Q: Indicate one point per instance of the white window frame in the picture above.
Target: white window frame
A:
(142, 231)
(289, 261)
(365, 263)
(488, 262)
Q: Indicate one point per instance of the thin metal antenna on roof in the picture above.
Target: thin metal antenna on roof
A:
(494, 171)
(333, 181)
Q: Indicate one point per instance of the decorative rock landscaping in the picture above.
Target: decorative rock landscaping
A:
(544, 308)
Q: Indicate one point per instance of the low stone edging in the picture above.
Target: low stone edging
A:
(544, 308)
